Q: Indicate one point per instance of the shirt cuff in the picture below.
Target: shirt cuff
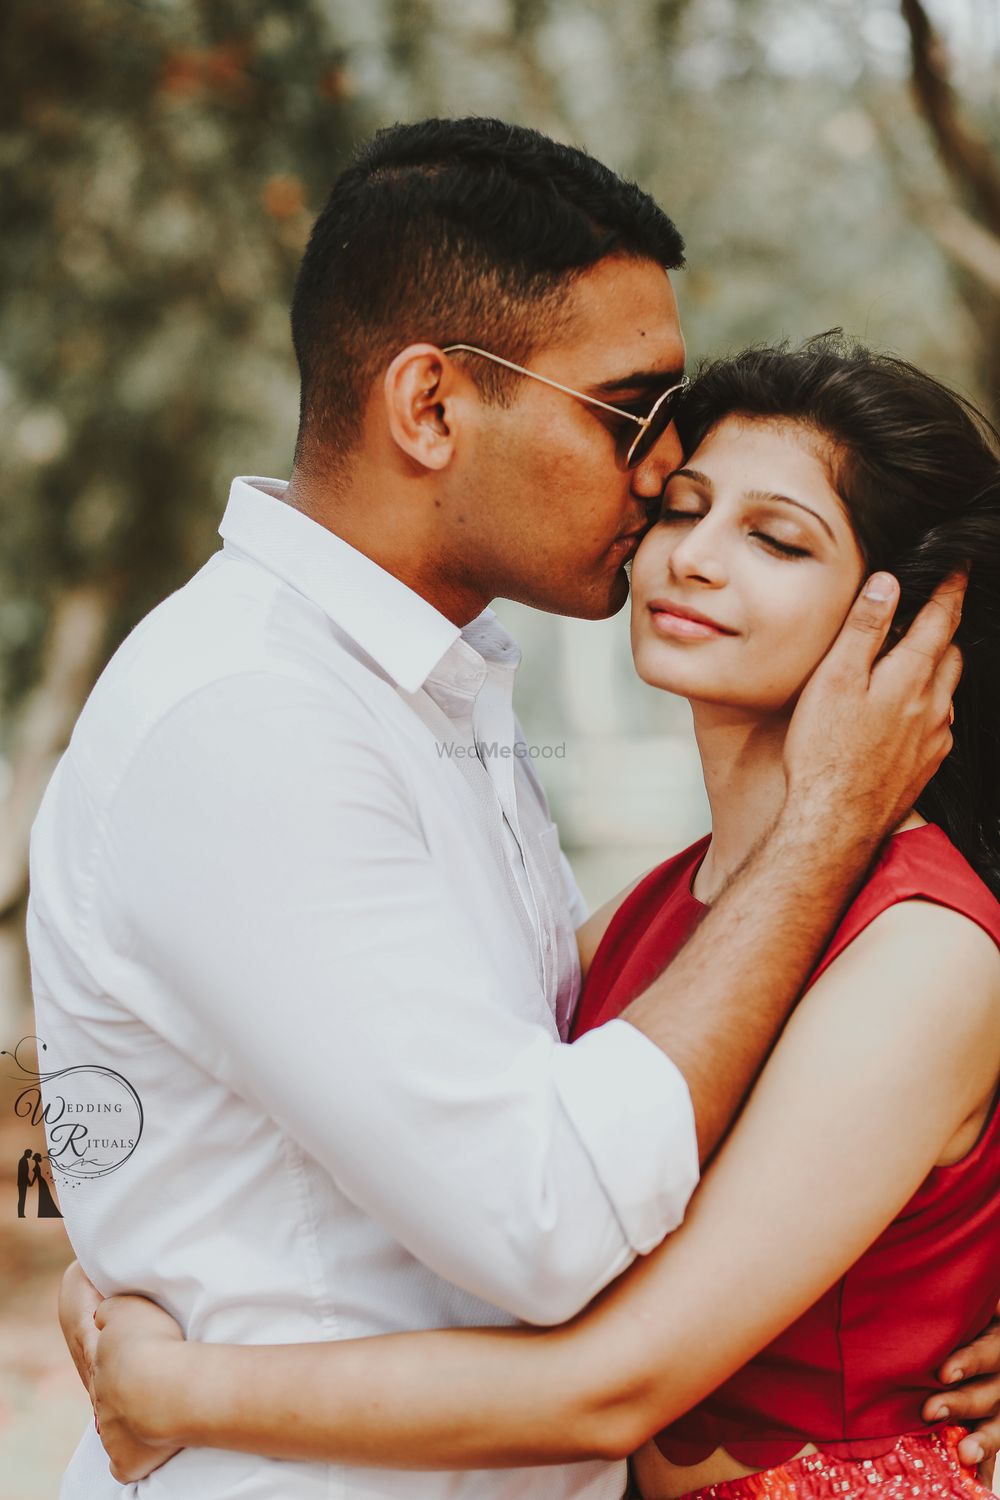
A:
(631, 1108)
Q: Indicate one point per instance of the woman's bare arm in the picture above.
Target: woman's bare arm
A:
(893, 1051)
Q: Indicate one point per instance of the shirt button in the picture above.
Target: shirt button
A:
(548, 943)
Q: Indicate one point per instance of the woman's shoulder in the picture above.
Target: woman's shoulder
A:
(922, 897)
(677, 872)
(647, 928)
(922, 865)
(663, 893)
(665, 889)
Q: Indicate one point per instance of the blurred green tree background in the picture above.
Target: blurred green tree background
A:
(831, 162)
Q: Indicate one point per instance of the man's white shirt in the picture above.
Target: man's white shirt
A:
(288, 882)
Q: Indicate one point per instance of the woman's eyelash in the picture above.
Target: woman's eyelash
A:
(784, 548)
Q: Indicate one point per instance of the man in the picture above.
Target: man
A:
(331, 946)
(23, 1171)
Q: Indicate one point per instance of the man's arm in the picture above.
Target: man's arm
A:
(865, 739)
(781, 1216)
(265, 860)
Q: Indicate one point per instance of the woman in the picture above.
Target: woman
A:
(845, 1238)
(47, 1208)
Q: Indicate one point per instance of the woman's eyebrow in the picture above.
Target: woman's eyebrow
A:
(787, 500)
(760, 495)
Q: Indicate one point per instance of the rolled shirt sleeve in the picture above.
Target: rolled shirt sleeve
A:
(263, 857)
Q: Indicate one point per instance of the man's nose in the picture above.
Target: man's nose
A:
(649, 477)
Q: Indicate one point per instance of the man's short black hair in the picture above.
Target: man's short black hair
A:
(451, 231)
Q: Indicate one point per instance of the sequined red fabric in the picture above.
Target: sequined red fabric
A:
(923, 1465)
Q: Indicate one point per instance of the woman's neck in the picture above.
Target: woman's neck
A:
(742, 758)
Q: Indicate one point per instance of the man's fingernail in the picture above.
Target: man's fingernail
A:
(977, 1454)
(879, 588)
(954, 1375)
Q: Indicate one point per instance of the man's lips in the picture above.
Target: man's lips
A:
(629, 540)
(683, 623)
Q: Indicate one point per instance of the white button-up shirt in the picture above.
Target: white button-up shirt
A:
(287, 880)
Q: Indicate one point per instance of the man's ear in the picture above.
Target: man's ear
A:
(420, 388)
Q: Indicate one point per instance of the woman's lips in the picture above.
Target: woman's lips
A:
(680, 625)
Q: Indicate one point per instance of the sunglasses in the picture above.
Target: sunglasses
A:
(651, 427)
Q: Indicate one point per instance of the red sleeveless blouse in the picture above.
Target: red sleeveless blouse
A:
(852, 1373)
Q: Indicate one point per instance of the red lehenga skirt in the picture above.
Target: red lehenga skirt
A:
(921, 1464)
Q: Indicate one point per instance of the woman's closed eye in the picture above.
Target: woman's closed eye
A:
(673, 515)
(784, 549)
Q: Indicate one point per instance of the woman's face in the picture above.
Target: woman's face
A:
(741, 587)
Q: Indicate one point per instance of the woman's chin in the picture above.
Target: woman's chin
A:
(681, 677)
(703, 691)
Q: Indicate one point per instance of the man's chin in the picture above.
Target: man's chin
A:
(604, 597)
(610, 602)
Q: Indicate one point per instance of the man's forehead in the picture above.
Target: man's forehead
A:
(624, 327)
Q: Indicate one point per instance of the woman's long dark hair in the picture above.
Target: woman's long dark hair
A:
(918, 470)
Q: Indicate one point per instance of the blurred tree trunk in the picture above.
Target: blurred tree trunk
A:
(159, 163)
(968, 228)
(72, 657)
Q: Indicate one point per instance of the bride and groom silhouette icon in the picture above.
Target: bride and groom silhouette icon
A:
(25, 1178)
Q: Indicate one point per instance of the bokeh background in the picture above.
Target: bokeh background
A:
(831, 163)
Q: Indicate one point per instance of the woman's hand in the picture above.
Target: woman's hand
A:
(131, 1367)
(78, 1302)
(121, 1348)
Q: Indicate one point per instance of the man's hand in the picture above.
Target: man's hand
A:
(134, 1343)
(975, 1374)
(868, 733)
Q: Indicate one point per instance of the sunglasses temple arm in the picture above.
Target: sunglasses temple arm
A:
(567, 390)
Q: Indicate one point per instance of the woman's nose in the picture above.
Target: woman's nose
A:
(697, 555)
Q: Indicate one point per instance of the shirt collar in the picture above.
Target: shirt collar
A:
(404, 634)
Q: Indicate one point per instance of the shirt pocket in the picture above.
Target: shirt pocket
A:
(561, 955)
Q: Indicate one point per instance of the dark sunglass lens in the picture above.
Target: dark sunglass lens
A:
(660, 419)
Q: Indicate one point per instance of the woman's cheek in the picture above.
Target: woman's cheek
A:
(651, 563)
(650, 560)
(809, 634)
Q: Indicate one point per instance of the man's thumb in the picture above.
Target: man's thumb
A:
(870, 618)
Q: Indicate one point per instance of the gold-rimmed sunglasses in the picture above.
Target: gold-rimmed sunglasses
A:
(651, 427)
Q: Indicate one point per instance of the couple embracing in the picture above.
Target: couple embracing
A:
(415, 1210)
